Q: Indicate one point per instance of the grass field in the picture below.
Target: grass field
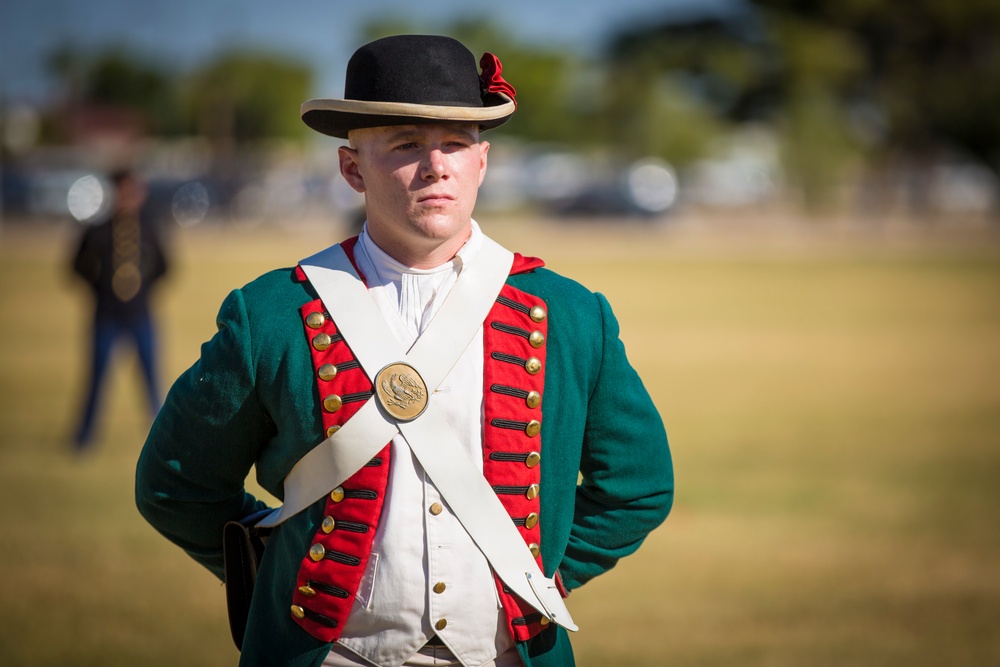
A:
(832, 400)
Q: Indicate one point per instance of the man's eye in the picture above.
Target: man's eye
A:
(406, 146)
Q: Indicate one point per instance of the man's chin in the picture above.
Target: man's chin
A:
(442, 225)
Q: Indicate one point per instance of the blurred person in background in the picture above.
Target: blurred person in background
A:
(120, 258)
(456, 542)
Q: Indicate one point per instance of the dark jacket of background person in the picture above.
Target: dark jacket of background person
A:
(94, 261)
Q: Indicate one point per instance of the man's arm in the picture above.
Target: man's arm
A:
(87, 261)
(191, 472)
(627, 475)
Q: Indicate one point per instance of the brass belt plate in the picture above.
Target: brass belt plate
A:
(401, 391)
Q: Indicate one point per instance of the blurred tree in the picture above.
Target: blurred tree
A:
(238, 97)
(821, 67)
(660, 95)
(930, 72)
(246, 96)
(117, 78)
(677, 84)
(721, 52)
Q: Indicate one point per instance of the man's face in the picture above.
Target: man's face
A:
(130, 195)
(420, 184)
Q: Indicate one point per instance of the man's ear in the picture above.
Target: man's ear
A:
(484, 148)
(349, 168)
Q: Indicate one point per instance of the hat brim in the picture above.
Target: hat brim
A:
(337, 117)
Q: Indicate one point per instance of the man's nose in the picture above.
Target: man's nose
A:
(434, 165)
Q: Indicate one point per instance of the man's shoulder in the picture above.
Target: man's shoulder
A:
(547, 284)
(276, 288)
(276, 279)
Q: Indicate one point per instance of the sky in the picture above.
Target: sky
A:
(322, 33)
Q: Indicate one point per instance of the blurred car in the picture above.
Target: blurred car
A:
(570, 184)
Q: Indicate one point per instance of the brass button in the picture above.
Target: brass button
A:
(315, 320)
(333, 429)
(531, 520)
(436, 509)
(533, 459)
(544, 621)
(439, 587)
(332, 403)
(533, 427)
(441, 624)
(532, 492)
(308, 591)
(537, 314)
(337, 494)
(533, 399)
(534, 549)
(298, 612)
(536, 338)
(321, 341)
(533, 365)
(317, 552)
(327, 372)
(329, 523)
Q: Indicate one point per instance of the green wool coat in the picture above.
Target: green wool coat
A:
(250, 400)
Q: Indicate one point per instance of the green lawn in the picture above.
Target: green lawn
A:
(833, 407)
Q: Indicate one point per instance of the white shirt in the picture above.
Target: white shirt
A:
(416, 551)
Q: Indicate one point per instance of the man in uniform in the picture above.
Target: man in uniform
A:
(423, 401)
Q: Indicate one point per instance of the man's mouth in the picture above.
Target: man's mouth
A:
(435, 198)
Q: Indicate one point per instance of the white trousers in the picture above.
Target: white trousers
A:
(428, 656)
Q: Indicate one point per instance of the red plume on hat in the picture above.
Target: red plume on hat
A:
(491, 81)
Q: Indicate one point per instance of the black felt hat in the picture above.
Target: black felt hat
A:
(412, 79)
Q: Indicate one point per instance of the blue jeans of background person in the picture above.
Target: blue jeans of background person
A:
(107, 332)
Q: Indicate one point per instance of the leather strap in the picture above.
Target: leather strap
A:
(429, 436)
